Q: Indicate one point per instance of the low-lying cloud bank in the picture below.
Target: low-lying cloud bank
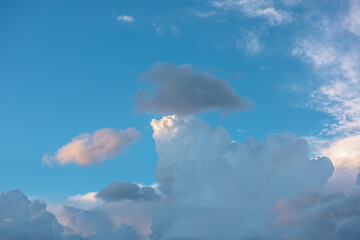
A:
(211, 188)
(89, 149)
(22, 219)
(179, 89)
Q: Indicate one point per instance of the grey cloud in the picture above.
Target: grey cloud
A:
(183, 91)
(358, 179)
(119, 191)
(21, 219)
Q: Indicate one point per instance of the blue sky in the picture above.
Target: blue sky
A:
(73, 67)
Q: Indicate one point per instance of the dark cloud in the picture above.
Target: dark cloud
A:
(183, 91)
(358, 179)
(118, 191)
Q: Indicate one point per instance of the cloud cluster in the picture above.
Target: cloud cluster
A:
(221, 189)
(212, 188)
(89, 149)
(183, 91)
(119, 191)
(22, 219)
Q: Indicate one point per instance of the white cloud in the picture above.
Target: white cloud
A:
(126, 18)
(333, 50)
(89, 149)
(221, 189)
(256, 8)
(352, 20)
(250, 42)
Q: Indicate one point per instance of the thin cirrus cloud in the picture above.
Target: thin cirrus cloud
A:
(256, 8)
(179, 89)
(332, 49)
(90, 149)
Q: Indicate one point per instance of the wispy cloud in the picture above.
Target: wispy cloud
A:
(250, 42)
(256, 8)
(333, 50)
(126, 18)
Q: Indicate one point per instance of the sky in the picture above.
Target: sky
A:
(163, 120)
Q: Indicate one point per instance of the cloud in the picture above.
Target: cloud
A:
(119, 191)
(334, 52)
(250, 42)
(352, 20)
(87, 222)
(256, 8)
(345, 152)
(335, 55)
(316, 215)
(89, 149)
(21, 218)
(126, 18)
(221, 189)
(181, 90)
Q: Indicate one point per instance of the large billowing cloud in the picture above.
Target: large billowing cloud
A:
(22, 219)
(89, 149)
(119, 191)
(220, 189)
(183, 91)
(212, 188)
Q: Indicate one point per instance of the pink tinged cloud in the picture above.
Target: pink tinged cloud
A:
(90, 149)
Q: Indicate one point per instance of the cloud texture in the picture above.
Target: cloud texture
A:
(219, 189)
(22, 219)
(183, 91)
(89, 149)
(212, 188)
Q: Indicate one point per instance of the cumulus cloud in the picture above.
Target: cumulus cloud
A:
(316, 215)
(119, 191)
(221, 189)
(89, 149)
(183, 91)
(21, 219)
(126, 18)
(256, 8)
